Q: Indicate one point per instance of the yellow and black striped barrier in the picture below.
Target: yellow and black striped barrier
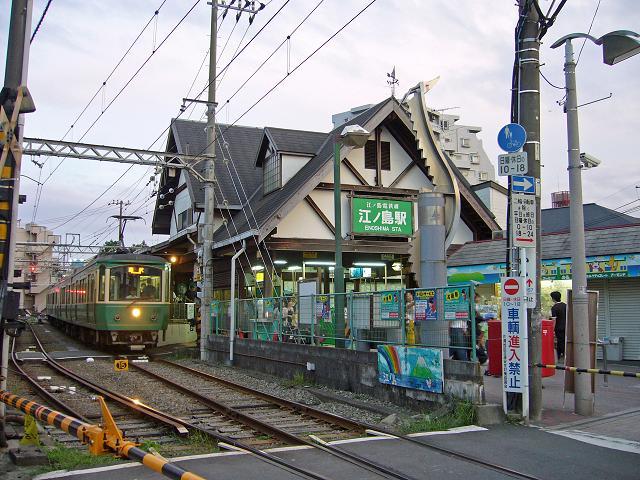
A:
(617, 373)
(107, 439)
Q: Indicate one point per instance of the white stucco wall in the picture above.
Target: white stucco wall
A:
(463, 234)
(291, 164)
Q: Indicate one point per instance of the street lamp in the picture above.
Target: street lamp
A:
(616, 46)
(353, 136)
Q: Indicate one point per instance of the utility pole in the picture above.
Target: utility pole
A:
(206, 234)
(122, 219)
(583, 397)
(528, 45)
(15, 77)
(209, 194)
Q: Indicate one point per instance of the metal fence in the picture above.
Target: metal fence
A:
(440, 317)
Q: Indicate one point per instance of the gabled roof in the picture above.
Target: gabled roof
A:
(283, 140)
(602, 241)
(272, 206)
(266, 207)
(556, 220)
(238, 143)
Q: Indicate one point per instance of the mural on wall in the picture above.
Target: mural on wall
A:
(606, 266)
(411, 367)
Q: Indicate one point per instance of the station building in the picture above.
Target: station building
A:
(274, 193)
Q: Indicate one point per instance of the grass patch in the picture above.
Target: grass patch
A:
(462, 414)
(297, 380)
(65, 458)
(202, 442)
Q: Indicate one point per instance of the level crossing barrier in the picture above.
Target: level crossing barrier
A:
(617, 373)
(442, 317)
(101, 440)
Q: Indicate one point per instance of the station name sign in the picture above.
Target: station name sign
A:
(381, 216)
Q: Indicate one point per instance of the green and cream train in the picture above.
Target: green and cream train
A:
(119, 300)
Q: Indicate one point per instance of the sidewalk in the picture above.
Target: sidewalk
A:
(617, 405)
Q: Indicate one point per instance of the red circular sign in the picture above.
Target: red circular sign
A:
(511, 286)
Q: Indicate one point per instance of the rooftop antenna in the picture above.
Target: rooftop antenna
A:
(393, 81)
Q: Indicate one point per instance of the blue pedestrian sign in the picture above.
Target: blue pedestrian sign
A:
(512, 137)
(522, 184)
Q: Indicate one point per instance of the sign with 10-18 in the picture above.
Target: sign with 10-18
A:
(512, 164)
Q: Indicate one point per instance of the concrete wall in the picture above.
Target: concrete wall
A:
(346, 370)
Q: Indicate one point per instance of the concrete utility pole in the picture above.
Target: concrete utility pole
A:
(583, 397)
(15, 76)
(206, 235)
(529, 117)
(209, 194)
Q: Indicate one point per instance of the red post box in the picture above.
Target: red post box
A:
(494, 348)
(548, 355)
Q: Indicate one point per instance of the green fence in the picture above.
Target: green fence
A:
(440, 317)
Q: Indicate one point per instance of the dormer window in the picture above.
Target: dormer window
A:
(271, 172)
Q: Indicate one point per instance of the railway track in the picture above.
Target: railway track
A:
(243, 418)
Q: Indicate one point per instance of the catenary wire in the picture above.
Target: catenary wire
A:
(44, 14)
(102, 85)
(128, 82)
(589, 32)
(167, 128)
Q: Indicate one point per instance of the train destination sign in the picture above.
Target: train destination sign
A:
(381, 216)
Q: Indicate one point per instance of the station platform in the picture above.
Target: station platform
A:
(529, 450)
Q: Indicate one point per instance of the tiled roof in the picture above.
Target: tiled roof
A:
(296, 141)
(239, 144)
(602, 241)
(555, 220)
(265, 206)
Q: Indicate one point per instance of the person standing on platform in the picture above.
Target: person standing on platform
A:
(559, 312)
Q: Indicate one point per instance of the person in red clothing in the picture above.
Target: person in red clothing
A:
(559, 312)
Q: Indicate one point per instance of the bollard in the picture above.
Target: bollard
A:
(108, 439)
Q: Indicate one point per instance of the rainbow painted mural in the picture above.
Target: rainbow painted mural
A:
(411, 367)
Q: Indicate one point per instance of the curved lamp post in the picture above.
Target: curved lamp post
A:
(353, 136)
(616, 47)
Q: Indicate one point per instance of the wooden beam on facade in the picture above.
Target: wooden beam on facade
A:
(399, 192)
(320, 213)
(355, 171)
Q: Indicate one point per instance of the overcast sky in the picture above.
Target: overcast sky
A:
(468, 43)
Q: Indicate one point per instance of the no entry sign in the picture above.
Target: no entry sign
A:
(511, 286)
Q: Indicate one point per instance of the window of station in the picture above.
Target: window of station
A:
(184, 219)
(370, 155)
(272, 173)
(135, 282)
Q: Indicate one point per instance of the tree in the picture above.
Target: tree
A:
(110, 246)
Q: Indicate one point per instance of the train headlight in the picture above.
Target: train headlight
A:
(135, 312)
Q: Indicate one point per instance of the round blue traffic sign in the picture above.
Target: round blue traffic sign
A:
(512, 137)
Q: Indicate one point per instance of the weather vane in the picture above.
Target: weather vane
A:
(393, 81)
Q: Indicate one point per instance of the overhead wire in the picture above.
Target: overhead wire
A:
(111, 103)
(44, 14)
(88, 104)
(589, 32)
(128, 82)
(221, 132)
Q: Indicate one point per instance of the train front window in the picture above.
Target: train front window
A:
(135, 282)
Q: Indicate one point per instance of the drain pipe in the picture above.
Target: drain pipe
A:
(232, 326)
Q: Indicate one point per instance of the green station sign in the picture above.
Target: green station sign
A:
(381, 216)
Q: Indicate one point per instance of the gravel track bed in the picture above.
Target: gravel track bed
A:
(283, 388)
(136, 385)
(284, 418)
